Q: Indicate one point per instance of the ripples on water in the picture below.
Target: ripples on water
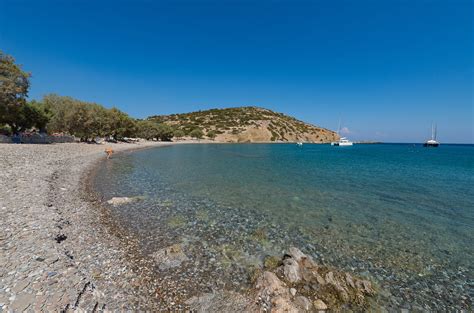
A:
(401, 215)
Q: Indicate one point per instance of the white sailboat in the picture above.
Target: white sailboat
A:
(343, 141)
(432, 143)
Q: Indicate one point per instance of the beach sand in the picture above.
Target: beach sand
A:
(55, 252)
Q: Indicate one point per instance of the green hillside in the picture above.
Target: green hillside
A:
(246, 124)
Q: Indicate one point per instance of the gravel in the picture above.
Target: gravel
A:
(55, 253)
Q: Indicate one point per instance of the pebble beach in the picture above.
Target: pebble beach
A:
(55, 253)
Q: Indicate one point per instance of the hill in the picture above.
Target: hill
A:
(247, 124)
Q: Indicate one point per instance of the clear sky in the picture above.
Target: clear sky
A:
(386, 68)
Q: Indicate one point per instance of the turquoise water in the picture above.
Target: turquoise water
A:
(401, 215)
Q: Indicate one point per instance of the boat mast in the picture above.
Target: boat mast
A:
(435, 131)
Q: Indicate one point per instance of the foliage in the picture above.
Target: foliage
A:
(27, 116)
(234, 121)
(196, 133)
(86, 120)
(211, 134)
(166, 132)
(178, 133)
(14, 85)
(121, 125)
(147, 130)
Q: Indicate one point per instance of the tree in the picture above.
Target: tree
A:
(178, 133)
(166, 132)
(196, 133)
(147, 130)
(42, 115)
(121, 125)
(211, 134)
(14, 85)
(87, 120)
(60, 108)
(27, 116)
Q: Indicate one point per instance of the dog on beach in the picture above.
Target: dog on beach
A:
(109, 152)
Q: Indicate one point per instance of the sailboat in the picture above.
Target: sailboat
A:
(432, 142)
(343, 141)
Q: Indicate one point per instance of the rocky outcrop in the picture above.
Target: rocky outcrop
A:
(299, 284)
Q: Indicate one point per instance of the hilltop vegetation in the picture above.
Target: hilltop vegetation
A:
(246, 124)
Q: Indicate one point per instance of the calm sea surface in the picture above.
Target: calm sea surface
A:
(400, 215)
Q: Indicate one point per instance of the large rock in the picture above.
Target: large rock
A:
(303, 303)
(291, 270)
(270, 284)
(296, 254)
(273, 294)
(326, 286)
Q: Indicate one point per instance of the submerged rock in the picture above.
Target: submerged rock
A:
(296, 254)
(119, 200)
(169, 257)
(273, 294)
(220, 301)
(303, 303)
(123, 200)
(320, 305)
(291, 270)
(318, 287)
(271, 262)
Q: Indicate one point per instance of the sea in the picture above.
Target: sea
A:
(400, 215)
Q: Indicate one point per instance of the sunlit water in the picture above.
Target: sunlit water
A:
(401, 215)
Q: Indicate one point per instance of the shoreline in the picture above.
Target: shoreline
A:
(57, 255)
(61, 251)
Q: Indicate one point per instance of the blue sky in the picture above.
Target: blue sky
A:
(386, 68)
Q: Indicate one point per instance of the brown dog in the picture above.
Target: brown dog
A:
(109, 152)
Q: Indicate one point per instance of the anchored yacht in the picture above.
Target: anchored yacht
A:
(343, 141)
(432, 143)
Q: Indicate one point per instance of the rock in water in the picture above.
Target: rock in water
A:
(303, 303)
(320, 305)
(273, 294)
(119, 200)
(270, 283)
(296, 254)
(291, 270)
(300, 275)
(169, 257)
(220, 301)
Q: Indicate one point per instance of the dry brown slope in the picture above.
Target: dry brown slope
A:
(247, 124)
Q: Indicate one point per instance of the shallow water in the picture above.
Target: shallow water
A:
(401, 215)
